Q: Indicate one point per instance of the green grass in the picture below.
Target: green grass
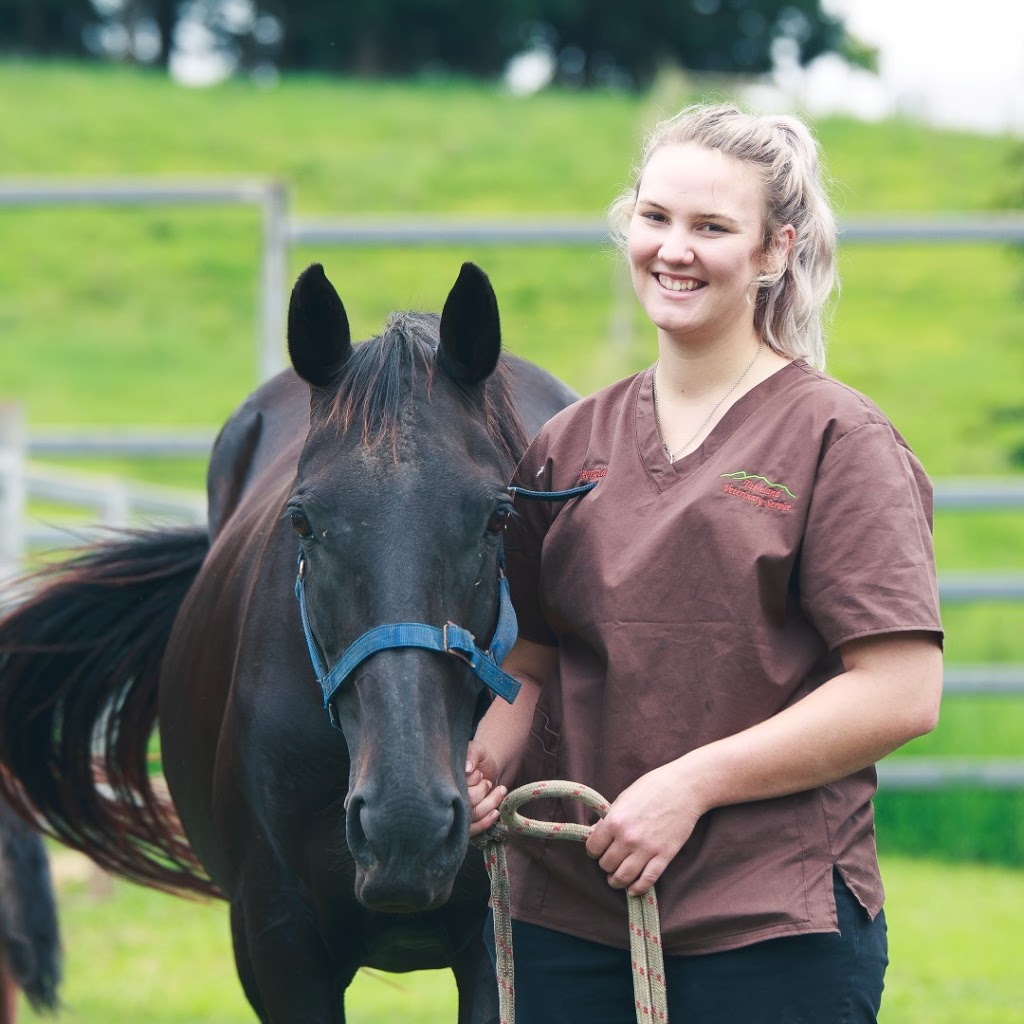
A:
(951, 947)
(135, 955)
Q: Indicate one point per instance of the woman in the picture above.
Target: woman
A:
(726, 633)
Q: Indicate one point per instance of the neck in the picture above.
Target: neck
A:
(700, 371)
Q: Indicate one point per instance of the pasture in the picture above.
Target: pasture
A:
(136, 955)
(124, 317)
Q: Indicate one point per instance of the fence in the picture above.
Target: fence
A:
(107, 501)
(270, 197)
(116, 503)
(280, 232)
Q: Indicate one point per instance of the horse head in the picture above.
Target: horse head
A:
(398, 507)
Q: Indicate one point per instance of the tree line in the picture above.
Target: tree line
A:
(591, 42)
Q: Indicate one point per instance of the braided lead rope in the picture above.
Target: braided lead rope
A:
(644, 923)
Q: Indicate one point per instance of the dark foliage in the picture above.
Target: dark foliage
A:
(593, 42)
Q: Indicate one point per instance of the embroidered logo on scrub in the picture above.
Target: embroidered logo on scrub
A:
(592, 474)
(759, 490)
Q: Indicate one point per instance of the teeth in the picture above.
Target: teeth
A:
(674, 285)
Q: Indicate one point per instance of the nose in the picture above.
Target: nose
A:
(406, 856)
(385, 827)
(676, 247)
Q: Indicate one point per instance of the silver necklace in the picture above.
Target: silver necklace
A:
(673, 455)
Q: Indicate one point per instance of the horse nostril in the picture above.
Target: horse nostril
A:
(358, 843)
(460, 820)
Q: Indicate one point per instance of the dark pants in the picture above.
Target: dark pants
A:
(802, 979)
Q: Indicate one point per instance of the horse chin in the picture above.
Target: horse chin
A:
(400, 891)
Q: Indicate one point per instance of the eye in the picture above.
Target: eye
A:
(500, 518)
(300, 524)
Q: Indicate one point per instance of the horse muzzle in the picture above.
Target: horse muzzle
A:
(406, 856)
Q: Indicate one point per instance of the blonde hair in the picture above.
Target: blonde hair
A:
(791, 299)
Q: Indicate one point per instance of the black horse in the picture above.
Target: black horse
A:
(385, 465)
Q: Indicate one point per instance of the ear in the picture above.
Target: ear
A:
(470, 329)
(319, 340)
(777, 255)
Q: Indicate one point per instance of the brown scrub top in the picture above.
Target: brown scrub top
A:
(690, 600)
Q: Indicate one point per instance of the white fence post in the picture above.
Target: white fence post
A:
(115, 506)
(273, 281)
(12, 488)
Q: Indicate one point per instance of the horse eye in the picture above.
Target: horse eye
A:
(500, 518)
(300, 524)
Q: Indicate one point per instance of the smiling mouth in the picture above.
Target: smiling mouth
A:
(675, 285)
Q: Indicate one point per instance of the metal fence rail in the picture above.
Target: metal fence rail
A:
(919, 773)
(546, 230)
(1000, 679)
(133, 442)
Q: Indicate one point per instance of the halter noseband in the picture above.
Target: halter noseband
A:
(446, 639)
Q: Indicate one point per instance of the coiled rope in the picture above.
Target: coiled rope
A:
(644, 922)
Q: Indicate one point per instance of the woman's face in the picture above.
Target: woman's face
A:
(694, 242)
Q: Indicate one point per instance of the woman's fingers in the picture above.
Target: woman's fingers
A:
(484, 801)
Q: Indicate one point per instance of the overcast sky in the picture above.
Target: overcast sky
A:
(952, 62)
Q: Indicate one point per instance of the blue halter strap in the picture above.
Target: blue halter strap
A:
(446, 639)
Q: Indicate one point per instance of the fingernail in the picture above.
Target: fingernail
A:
(469, 766)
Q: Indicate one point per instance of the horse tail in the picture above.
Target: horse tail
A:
(79, 675)
(29, 932)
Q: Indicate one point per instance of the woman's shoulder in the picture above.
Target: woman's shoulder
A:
(823, 404)
(832, 395)
(560, 448)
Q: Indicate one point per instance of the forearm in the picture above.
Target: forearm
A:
(504, 729)
(495, 750)
(888, 694)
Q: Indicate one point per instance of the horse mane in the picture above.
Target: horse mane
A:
(379, 376)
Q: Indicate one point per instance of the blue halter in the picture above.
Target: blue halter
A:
(446, 639)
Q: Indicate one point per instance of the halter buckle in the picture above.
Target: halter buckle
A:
(457, 652)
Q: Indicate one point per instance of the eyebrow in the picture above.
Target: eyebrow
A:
(717, 216)
(724, 217)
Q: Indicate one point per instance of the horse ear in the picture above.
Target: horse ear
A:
(319, 340)
(470, 329)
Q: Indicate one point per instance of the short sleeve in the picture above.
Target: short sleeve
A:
(524, 541)
(867, 564)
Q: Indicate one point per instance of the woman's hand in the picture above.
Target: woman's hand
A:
(645, 828)
(484, 795)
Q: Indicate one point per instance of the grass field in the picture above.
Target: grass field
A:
(135, 955)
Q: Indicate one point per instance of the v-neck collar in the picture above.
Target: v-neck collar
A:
(648, 436)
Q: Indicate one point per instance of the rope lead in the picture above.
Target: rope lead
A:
(644, 922)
